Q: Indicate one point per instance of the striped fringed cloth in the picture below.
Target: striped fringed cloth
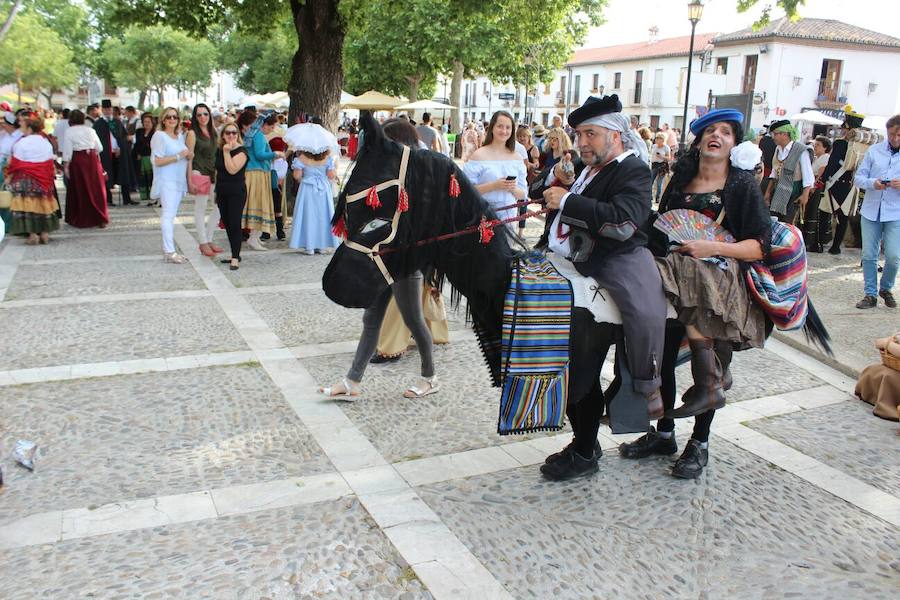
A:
(535, 353)
(778, 282)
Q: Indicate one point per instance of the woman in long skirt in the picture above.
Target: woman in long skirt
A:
(31, 178)
(311, 226)
(86, 194)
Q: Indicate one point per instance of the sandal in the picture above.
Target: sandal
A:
(417, 392)
(347, 393)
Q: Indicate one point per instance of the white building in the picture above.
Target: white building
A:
(649, 77)
(811, 63)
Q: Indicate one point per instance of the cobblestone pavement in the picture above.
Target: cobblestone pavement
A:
(184, 452)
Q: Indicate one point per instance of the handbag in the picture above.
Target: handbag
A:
(5, 199)
(202, 183)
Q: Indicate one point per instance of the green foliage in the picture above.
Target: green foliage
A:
(393, 45)
(156, 57)
(260, 64)
(71, 21)
(35, 57)
(790, 7)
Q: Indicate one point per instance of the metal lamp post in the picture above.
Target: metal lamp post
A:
(695, 11)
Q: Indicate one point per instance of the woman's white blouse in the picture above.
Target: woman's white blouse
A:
(486, 171)
(161, 146)
(80, 137)
(33, 148)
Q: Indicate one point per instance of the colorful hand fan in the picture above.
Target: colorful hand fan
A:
(684, 225)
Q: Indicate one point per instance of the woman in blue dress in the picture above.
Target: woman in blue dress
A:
(311, 226)
(496, 170)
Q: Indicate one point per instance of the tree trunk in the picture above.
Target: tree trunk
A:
(141, 99)
(49, 97)
(414, 81)
(9, 20)
(159, 96)
(317, 72)
(455, 100)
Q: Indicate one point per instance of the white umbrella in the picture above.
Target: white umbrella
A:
(815, 117)
(875, 123)
(424, 105)
(312, 138)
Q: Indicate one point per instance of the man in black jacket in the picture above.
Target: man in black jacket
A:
(599, 226)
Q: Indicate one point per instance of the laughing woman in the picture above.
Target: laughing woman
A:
(711, 299)
(170, 173)
(30, 177)
(201, 140)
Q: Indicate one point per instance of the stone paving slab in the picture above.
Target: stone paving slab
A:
(846, 436)
(114, 439)
(308, 317)
(461, 416)
(745, 530)
(101, 277)
(104, 244)
(263, 268)
(326, 550)
(60, 335)
(835, 286)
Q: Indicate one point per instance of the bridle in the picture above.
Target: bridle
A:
(373, 251)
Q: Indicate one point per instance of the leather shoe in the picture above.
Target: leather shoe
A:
(570, 466)
(888, 298)
(379, 359)
(598, 452)
(691, 462)
(648, 444)
(867, 302)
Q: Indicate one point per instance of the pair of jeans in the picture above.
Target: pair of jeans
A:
(206, 226)
(170, 195)
(873, 233)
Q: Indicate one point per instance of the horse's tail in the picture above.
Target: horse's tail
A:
(815, 329)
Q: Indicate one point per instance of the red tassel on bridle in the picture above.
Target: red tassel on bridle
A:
(340, 228)
(372, 200)
(454, 187)
(486, 230)
(403, 201)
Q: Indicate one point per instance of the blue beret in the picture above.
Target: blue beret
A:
(715, 116)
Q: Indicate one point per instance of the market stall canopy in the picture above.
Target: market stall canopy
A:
(875, 123)
(373, 100)
(424, 105)
(815, 117)
(346, 98)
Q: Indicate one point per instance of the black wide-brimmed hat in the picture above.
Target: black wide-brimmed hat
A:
(594, 107)
(106, 103)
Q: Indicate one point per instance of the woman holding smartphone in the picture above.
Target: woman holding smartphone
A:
(496, 170)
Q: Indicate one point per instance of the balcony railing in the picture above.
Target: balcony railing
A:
(832, 93)
(636, 97)
(653, 96)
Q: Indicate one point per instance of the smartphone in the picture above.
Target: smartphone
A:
(510, 177)
(885, 182)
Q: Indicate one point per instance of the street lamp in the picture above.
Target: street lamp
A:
(695, 11)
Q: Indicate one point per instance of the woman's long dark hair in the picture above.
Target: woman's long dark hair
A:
(195, 125)
(489, 134)
(400, 130)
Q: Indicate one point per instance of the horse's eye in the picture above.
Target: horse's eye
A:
(374, 224)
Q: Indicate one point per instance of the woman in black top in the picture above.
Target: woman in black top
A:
(231, 191)
(141, 154)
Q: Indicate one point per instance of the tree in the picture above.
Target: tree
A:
(10, 16)
(35, 58)
(153, 58)
(790, 8)
(258, 63)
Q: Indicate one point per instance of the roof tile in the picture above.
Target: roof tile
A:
(677, 46)
(828, 30)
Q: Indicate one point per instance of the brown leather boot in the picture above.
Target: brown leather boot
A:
(655, 408)
(724, 352)
(706, 393)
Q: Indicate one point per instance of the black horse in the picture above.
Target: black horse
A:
(440, 201)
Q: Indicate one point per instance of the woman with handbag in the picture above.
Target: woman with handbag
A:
(201, 141)
(712, 300)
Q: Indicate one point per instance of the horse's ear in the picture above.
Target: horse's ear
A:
(372, 133)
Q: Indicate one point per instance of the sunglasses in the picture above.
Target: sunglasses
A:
(202, 114)
(170, 117)
(229, 133)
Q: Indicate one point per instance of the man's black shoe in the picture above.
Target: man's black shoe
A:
(888, 299)
(649, 443)
(867, 302)
(379, 359)
(265, 235)
(691, 462)
(598, 452)
(570, 466)
(835, 250)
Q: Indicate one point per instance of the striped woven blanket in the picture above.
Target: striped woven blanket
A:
(535, 350)
(778, 283)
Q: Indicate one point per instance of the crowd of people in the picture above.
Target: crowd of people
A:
(234, 165)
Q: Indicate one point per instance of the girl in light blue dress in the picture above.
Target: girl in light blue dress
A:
(311, 226)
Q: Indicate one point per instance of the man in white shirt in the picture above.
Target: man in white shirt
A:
(792, 175)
